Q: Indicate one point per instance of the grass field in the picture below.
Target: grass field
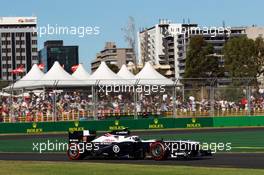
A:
(64, 168)
(241, 141)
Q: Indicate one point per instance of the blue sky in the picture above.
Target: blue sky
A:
(111, 16)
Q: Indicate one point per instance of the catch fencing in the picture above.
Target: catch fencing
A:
(184, 98)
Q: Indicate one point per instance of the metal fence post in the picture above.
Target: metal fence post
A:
(94, 101)
(248, 92)
(212, 98)
(94, 98)
(11, 102)
(183, 93)
(54, 101)
(212, 101)
(174, 99)
(135, 99)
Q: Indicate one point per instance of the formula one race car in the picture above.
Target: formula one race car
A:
(122, 145)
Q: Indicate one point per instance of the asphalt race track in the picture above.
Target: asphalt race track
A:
(235, 160)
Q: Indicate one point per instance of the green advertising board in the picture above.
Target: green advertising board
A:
(117, 124)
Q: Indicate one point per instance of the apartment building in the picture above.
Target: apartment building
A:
(111, 54)
(18, 45)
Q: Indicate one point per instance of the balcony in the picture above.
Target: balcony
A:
(215, 41)
(181, 71)
(180, 51)
(181, 58)
(180, 46)
(181, 64)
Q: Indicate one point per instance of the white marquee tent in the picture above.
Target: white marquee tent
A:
(4, 94)
(149, 76)
(125, 73)
(33, 75)
(57, 76)
(81, 73)
(104, 75)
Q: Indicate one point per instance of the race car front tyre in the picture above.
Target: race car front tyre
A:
(73, 152)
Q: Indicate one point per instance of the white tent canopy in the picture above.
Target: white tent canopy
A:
(148, 75)
(4, 94)
(125, 73)
(81, 73)
(57, 76)
(104, 75)
(33, 75)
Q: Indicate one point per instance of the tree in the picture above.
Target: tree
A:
(130, 34)
(200, 60)
(259, 56)
(240, 57)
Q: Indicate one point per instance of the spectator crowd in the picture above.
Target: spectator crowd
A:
(72, 105)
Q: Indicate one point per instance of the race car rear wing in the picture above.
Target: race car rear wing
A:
(123, 132)
(81, 136)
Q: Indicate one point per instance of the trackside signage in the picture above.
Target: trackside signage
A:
(34, 129)
(116, 126)
(37, 127)
(194, 124)
(76, 127)
(156, 124)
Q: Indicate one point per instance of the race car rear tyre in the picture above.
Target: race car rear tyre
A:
(157, 151)
(73, 152)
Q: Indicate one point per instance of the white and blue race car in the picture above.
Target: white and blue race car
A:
(121, 145)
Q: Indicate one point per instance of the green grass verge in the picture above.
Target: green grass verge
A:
(241, 141)
(67, 168)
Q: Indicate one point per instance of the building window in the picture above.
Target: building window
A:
(6, 66)
(5, 34)
(34, 50)
(7, 42)
(34, 58)
(20, 34)
(6, 58)
(34, 33)
(20, 42)
(34, 42)
(18, 65)
(20, 57)
(129, 55)
(20, 49)
(6, 50)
